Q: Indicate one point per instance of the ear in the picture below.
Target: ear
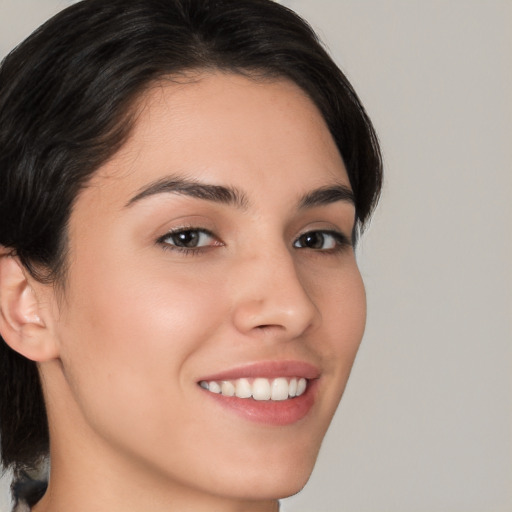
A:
(25, 320)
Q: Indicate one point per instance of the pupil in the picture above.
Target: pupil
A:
(313, 240)
(187, 239)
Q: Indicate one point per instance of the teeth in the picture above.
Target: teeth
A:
(292, 389)
(227, 388)
(301, 386)
(261, 389)
(277, 389)
(214, 387)
(243, 388)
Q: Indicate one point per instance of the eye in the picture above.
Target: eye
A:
(189, 238)
(321, 241)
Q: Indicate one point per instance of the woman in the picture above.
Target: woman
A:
(182, 186)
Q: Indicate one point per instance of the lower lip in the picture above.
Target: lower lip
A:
(270, 412)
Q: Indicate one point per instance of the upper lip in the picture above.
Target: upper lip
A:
(267, 369)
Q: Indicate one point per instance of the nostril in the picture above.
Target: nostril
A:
(269, 327)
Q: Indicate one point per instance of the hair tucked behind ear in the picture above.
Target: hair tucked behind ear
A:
(66, 102)
(22, 412)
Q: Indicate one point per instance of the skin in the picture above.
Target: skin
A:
(141, 322)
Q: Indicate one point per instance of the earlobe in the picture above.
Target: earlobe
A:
(24, 322)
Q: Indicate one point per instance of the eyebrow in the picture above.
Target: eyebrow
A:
(327, 195)
(183, 186)
(232, 196)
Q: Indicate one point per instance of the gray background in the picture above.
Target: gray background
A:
(426, 421)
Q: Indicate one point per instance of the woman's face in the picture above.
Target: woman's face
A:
(212, 251)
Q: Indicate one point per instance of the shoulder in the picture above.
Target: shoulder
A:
(28, 488)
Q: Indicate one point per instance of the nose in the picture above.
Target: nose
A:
(271, 297)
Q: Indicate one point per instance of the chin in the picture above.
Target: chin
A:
(273, 479)
(283, 486)
(269, 487)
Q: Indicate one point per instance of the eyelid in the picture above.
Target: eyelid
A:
(340, 236)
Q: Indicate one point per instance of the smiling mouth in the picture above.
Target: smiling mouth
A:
(261, 389)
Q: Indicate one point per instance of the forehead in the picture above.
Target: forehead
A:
(225, 128)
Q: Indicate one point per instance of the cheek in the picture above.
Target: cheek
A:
(340, 298)
(350, 307)
(342, 305)
(140, 304)
(130, 333)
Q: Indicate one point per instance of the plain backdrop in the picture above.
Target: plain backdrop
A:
(426, 421)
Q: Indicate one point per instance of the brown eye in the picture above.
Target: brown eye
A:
(189, 239)
(186, 239)
(320, 240)
(313, 240)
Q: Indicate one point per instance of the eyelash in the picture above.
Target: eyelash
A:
(340, 240)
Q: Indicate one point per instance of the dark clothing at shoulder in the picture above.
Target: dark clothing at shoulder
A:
(27, 492)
